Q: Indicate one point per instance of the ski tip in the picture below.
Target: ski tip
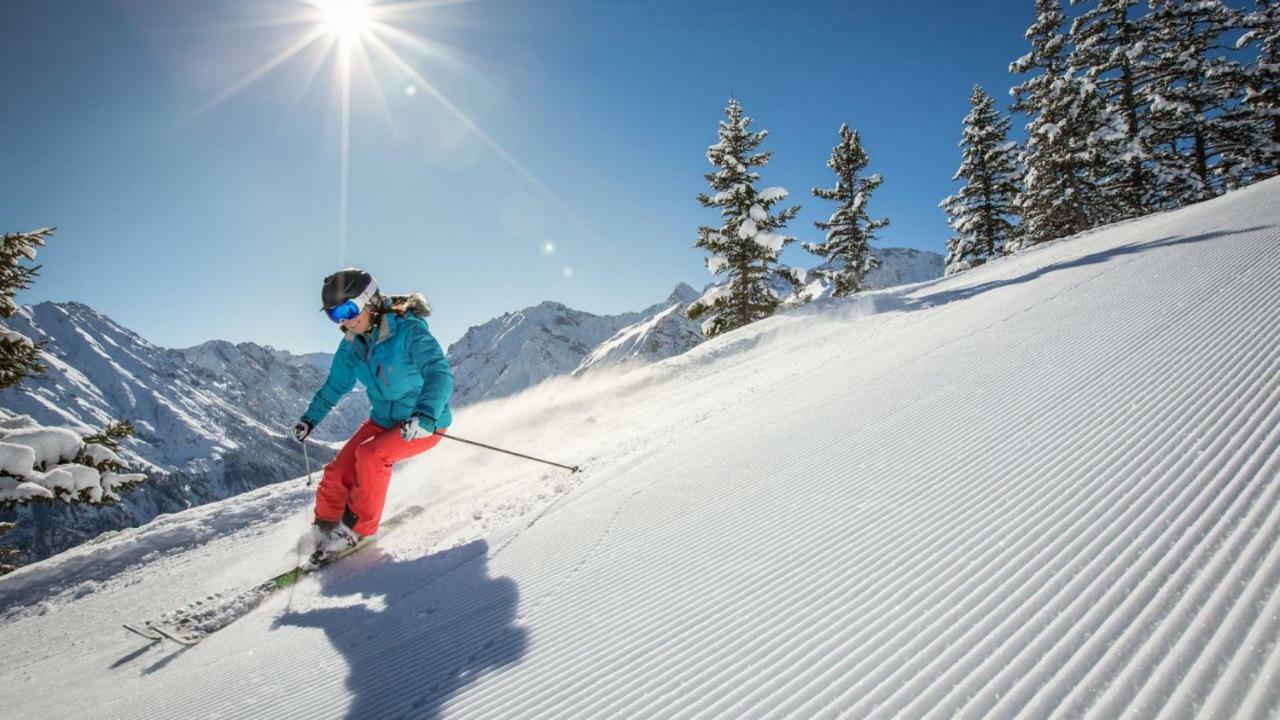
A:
(144, 632)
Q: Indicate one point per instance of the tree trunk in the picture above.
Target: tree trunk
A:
(1202, 163)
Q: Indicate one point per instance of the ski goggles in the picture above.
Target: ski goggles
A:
(352, 308)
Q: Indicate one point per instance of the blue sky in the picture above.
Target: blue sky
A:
(187, 219)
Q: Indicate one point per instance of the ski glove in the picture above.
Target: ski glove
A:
(302, 429)
(417, 427)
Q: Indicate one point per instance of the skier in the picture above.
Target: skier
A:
(389, 349)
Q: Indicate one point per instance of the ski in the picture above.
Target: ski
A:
(145, 631)
(197, 620)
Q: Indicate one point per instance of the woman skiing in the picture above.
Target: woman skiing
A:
(388, 348)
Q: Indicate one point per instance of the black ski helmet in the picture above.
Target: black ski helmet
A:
(346, 285)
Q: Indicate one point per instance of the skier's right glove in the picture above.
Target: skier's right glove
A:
(302, 429)
(417, 427)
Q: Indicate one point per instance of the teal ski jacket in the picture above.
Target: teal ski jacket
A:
(402, 367)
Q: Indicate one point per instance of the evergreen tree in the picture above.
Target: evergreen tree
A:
(1198, 139)
(1262, 88)
(19, 356)
(1048, 54)
(847, 249)
(19, 360)
(981, 212)
(745, 247)
(1109, 50)
(1069, 139)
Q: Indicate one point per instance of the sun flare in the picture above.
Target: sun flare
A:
(345, 19)
(366, 42)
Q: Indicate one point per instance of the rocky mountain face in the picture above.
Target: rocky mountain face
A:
(523, 348)
(655, 337)
(904, 266)
(210, 421)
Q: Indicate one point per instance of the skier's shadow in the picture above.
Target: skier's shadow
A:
(443, 621)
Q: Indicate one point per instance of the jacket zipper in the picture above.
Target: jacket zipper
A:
(368, 357)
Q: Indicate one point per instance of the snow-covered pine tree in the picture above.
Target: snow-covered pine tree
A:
(109, 438)
(745, 246)
(1197, 139)
(1262, 87)
(981, 213)
(19, 356)
(847, 248)
(39, 463)
(1069, 138)
(1109, 50)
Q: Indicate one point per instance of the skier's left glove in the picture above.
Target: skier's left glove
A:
(417, 427)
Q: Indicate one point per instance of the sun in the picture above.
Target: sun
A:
(346, 19)
(363, 40)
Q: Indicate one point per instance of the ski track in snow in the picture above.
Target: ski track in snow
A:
(1047, 487)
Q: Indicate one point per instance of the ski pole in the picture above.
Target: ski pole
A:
(306, 459)
(571, 469)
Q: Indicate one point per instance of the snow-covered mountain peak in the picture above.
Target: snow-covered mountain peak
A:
(68, 320)
(523, 348)
(682, 294)
(663, 331)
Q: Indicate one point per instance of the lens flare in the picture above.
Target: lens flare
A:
(364, 34)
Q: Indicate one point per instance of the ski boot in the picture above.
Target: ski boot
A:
(339, 537)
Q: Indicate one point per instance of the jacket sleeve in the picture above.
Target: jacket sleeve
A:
(437, 376)
(340, 381)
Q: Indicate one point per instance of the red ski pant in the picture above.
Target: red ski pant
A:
(357, 479)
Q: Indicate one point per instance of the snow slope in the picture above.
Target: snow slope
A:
(1045, 487)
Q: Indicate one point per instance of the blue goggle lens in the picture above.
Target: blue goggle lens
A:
(345, 311)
